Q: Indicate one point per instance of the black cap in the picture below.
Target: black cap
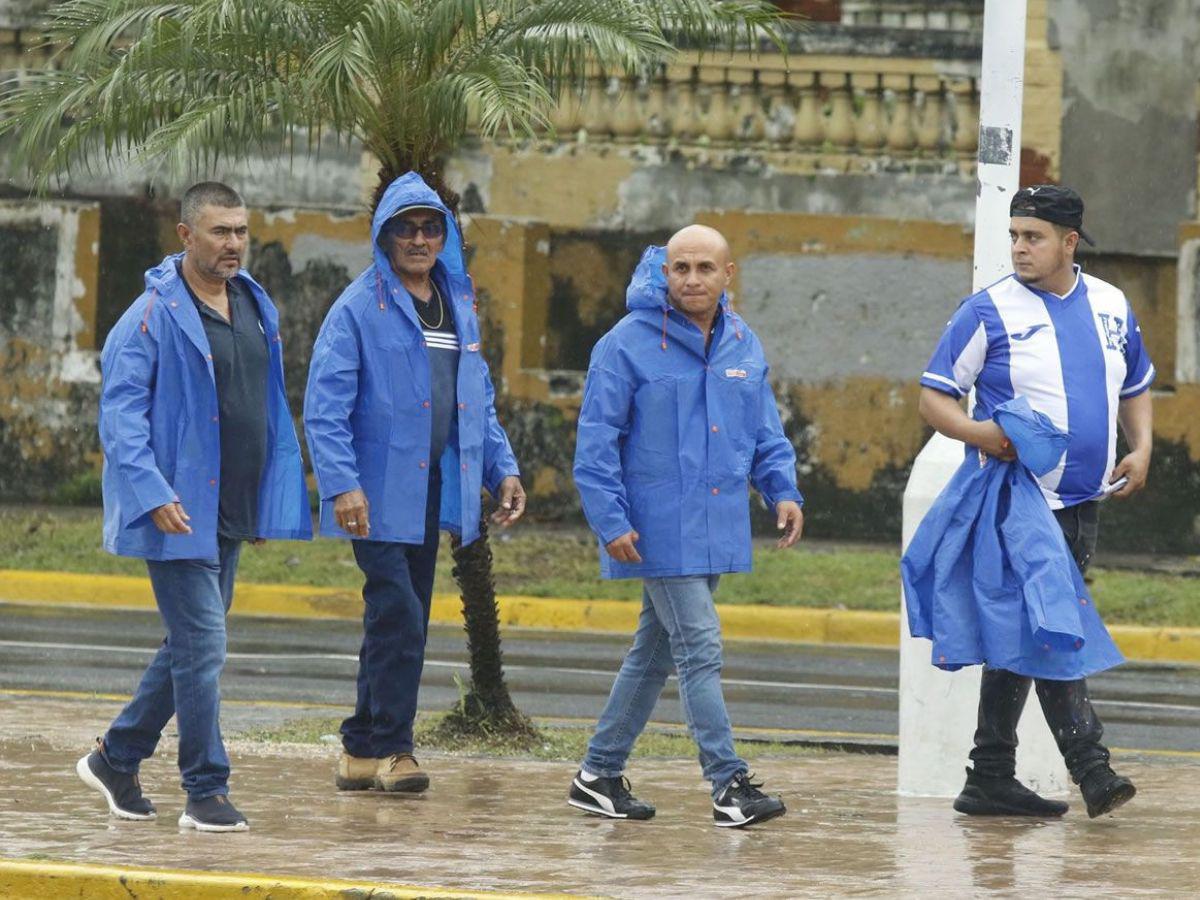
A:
(1051, 203)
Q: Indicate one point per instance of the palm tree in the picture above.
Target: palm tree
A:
(177, 85)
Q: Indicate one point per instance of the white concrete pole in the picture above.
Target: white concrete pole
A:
(938, 709)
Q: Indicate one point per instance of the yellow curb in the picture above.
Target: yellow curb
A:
(19, 878)
(749, 621)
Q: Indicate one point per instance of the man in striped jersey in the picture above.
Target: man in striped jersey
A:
(1071, 345)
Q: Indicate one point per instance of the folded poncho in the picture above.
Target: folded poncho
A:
(988, 576)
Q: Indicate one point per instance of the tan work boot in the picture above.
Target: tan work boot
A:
(356, 773)
(401, 773)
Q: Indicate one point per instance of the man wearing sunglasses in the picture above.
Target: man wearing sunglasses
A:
(402, 430)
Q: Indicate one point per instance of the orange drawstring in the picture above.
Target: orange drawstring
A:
(149, 306)
(733, 315)
(664, 335)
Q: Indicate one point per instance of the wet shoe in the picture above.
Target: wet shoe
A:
(400, 773)
(986, 795)
(356, 773)
(741, 803)
(122, 792)
(1104, 790)
(607, 797)
(213, 814)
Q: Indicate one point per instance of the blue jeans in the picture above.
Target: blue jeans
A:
(679, 626)
(396, 595)
(193, 597)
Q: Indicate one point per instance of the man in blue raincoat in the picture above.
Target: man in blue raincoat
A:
(677, 418)
(1070, 344)
(200, 455)
(402, 430)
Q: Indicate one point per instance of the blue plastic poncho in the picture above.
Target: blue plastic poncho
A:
(988, 576)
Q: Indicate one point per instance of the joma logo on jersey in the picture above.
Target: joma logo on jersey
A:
(1114, 331)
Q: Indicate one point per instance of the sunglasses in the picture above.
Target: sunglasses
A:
(405, 230)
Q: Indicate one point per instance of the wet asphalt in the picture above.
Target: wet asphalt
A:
(827, 693)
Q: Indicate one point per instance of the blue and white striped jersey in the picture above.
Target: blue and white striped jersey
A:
(1073, 357)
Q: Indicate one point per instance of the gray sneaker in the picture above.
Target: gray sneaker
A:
(213, 814)
(122, 792)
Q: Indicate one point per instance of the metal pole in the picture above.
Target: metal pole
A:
(938, 709)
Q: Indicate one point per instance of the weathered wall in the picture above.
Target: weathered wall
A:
(1129, 125)
(48, 374)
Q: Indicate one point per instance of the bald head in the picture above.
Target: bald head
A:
(699, 267)
(699, 239)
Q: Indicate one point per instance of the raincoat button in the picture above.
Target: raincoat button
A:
(464, 467)
(421, 464)
(208, 357)
(1083, 601)
(462, 406)
(716, 491)
(715, 429)
(941, 659)
(216, 418)
(174, 304)
(425, 404)
(212, 482)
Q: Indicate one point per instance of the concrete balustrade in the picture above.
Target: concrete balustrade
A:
(849, 106)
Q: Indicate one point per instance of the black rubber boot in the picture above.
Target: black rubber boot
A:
(985, 795)
(1104, 790)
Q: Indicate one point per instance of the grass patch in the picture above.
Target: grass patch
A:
(541, 561)
(558, 744)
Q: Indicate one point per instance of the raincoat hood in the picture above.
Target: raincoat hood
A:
(988, 576)
(411, 190)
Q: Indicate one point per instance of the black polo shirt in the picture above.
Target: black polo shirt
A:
(241, 362)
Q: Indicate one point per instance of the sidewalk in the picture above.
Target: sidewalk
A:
(503, 825)
(744, 621)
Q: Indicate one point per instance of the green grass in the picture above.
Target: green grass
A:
(540, 561)
(559, 742)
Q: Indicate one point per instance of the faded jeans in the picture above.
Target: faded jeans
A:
(193, 597)
(678, 627)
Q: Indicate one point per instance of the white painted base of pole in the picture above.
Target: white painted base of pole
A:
(938, 709)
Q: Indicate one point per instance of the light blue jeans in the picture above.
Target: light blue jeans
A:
(678, 626)
(193, 597)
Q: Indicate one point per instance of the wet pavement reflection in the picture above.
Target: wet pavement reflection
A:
(504, 825)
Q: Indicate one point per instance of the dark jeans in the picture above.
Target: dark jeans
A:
(1068, 711)
(193, 597)
(396, 596)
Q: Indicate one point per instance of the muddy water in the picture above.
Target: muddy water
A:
(503, 825)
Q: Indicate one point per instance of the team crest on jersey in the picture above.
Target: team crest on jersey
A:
(1114, 331)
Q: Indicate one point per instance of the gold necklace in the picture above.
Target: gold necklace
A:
(441, 309)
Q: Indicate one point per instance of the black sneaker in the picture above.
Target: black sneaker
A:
(213, 814)
(741, 803)
(988, 795)
(1104, 790)
(607, 797)
(122, 792)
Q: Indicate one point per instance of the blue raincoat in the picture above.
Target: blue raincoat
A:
(988, 576)
(367, 407)
(161, 435)
(669, 434)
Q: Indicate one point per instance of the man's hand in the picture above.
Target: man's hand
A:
(622, 549)
(991, 439)
(171, 519)
(350, 512)
(790, 521)
(512, 502)
(1136, 467)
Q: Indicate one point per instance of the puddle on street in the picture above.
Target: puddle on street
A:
(504, 825)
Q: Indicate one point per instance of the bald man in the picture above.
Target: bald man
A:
(677, 419)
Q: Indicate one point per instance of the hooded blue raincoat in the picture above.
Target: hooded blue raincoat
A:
(161, 435)
(988, 576)
(367, 407)
(669, 434)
